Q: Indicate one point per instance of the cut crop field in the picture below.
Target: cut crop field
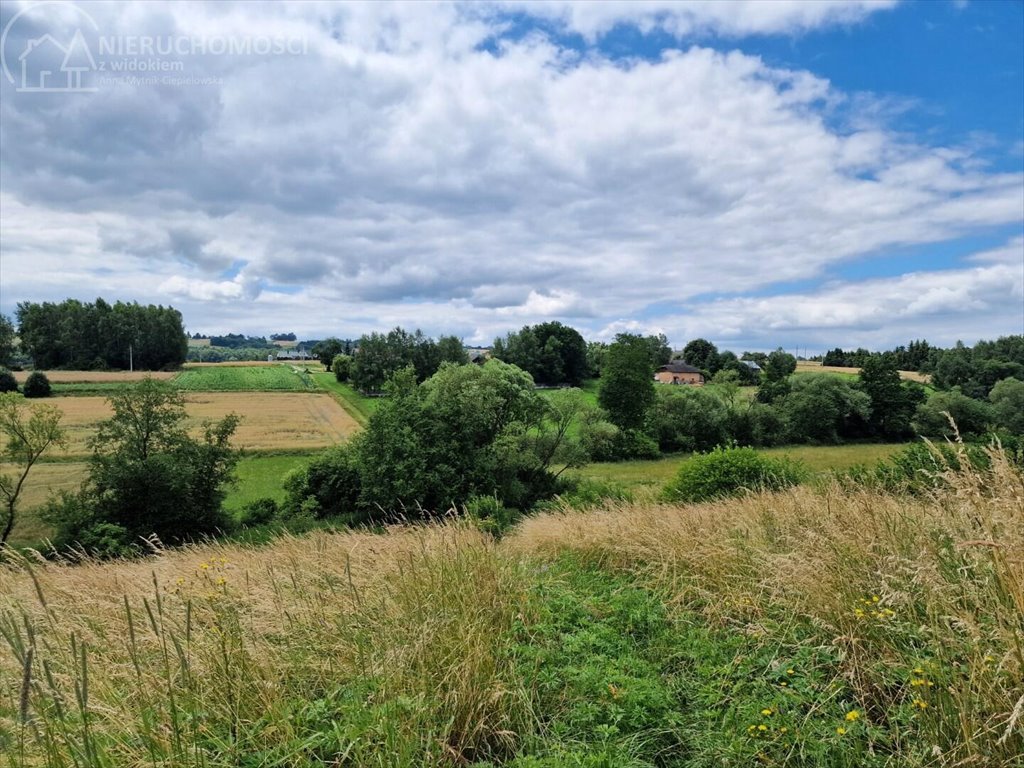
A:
(97, 377)
(271, 421)
(249, 378)
(808, 366)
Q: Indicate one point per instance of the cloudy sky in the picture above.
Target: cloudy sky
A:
(758, 173)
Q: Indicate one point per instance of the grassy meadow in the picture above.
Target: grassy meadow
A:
(828, 626)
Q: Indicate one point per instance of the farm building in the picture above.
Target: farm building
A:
(293, 354)
(478, 355)
(679, 373)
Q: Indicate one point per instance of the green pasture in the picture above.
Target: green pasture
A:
(819, 459)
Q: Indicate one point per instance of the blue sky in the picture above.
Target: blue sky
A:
(754, 172)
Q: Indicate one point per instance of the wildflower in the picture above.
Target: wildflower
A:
(762, 727)
(205, 566)
(783, 729)
(790, 672)
(874, 598)
(858, 613)
(783, 683)
(766, 712)
(852, 716)
(841, 731)
(918, 671)
(920, 704)
(751, 728)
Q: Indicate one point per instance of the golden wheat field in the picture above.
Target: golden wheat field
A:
(270, 420)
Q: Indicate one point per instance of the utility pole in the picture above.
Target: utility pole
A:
(131, 360)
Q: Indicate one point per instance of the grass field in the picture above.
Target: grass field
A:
(817, 458)
(258, 477)
(236, 378)
(834, 627)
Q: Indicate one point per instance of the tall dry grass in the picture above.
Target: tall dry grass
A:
(215, 654)
(392, 649)
(923, 596)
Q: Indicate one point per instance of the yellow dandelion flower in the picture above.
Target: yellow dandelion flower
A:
(874, 598)
(920, 704)
(762, 727)
(783, 683)
(766, 712)
(841, 731)
(790, 672)
(852, 715)
(783, 729)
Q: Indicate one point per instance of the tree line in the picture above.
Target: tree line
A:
(98, 335)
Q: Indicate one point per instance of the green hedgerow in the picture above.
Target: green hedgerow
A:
(729, 471)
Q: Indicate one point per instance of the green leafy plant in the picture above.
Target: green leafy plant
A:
(728, 472)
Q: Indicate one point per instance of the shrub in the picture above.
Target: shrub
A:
(632, 444)
(586, 493)
(342, 367)
(972, 417)
(36, 385)
(688, 419)
(329, 486)
(258, 512)
(7, 381)
(490, 514)
(729, 471)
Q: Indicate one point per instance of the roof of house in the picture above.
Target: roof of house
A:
(679, 367)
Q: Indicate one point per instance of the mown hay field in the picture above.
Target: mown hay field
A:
(809, 366)
(97, 377)
(271, 421)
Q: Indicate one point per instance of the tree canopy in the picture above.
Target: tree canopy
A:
(551, 353)
(99, 335)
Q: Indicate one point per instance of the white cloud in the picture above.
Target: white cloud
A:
(399, 173)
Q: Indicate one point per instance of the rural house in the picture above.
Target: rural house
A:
(679, 373)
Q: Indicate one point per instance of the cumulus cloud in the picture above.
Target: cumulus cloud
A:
(415, 165)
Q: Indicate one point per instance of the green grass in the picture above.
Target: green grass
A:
(358, 406)
(258, 378)
(261, 477)
(817, 458)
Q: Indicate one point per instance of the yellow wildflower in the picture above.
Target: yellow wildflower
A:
(852, 715)
(762, 727)
(766, 712)
(840, 730)
(920, 703)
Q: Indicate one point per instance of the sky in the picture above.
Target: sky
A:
(795, 173)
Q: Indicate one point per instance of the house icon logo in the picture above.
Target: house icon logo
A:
(57, 61)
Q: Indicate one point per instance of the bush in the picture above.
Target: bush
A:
(972, 417)
(342, 367)
(7, 381)
(490, 514)
(728, 472)
(36, 385)
(688, 419)
(258, 512)
(329, 486)
(586, 493)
